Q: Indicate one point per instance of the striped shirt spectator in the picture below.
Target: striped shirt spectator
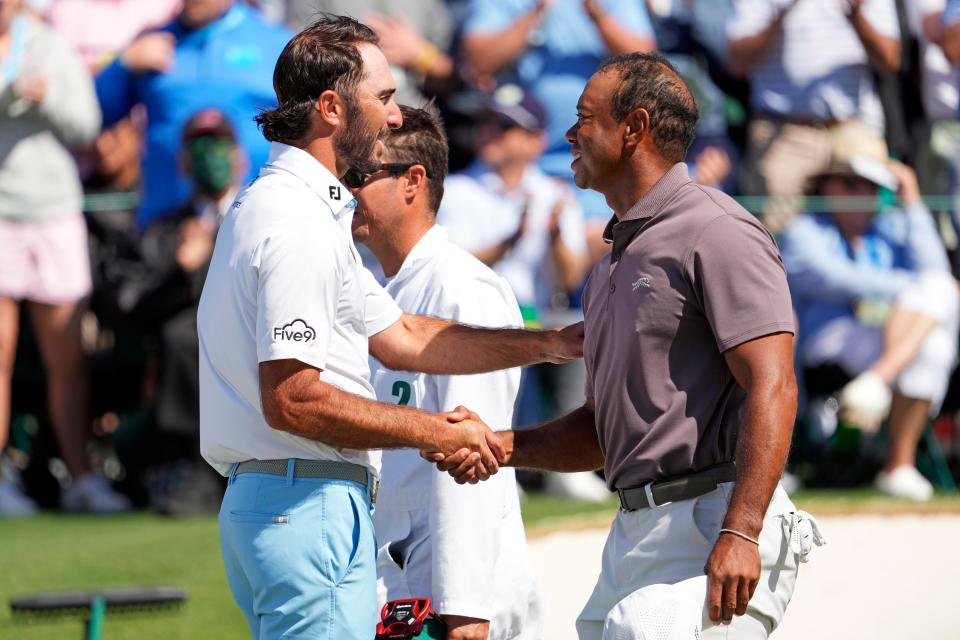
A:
(817, 67)
(809, 63)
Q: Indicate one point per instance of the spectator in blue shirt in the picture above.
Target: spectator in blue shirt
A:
(217, 53)
(875, 297)
(553, 47)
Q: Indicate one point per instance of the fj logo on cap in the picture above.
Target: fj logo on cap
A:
(296, 331)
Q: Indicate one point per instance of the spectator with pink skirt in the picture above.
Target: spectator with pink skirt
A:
(47, 104)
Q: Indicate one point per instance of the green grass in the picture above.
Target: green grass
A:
(541, 511)
(51, 552)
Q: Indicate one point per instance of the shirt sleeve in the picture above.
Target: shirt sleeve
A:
(739, 281)
(927, 252)
(882, 15)
(70, 104)
(379, 309)
(298, 286)
(116, 92)
(750, 17)
(588, 391)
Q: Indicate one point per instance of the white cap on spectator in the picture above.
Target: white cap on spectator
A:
(857, 152)
(656, 612)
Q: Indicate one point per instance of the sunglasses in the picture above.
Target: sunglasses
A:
(354, 178)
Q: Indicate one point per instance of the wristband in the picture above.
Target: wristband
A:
(740, 535)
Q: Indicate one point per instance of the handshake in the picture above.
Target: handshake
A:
(469, 450)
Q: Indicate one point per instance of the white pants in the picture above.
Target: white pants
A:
(855, 346)
(407, 568)
(670, 544)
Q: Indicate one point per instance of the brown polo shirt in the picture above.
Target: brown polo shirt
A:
(691, 275)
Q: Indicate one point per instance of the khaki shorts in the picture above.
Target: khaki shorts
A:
(670, 545)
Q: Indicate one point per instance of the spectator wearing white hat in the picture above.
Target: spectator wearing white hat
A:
(875, 297)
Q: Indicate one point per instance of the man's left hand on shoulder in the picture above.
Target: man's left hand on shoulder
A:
(733, 572)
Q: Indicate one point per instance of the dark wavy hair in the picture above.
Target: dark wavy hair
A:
(322, 57)
(649, 81)
(421, 140)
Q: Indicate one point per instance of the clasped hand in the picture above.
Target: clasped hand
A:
(470, 452)
(566, 344)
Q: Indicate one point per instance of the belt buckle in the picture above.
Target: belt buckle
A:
(651, 502)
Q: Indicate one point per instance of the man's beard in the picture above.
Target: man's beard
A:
(356, 140)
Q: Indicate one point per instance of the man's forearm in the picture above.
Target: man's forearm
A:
(951, 43)
(491, 52)
(570, 266)
(433, 345)
(883, 53)
(746, 53)
(568, 443)
(492, 254)
(319, 411)
(762, 447)
(618, 39)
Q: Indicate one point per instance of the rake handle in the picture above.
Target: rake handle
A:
(98, 609)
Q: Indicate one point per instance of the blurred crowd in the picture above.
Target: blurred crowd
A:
(126, 130)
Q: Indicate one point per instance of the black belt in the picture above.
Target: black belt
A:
(332, 469)
(654, 494)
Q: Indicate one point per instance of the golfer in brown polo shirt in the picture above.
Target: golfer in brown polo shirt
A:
(690, 392)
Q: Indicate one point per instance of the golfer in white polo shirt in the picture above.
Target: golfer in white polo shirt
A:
(286, 406)
(462, 546)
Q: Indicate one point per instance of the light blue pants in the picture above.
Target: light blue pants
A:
(300, 556)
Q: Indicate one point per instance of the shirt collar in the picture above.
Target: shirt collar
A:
(298, 162)
(427, 246)
(653, 200)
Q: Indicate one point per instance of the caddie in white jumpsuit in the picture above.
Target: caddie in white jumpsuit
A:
(462, 546)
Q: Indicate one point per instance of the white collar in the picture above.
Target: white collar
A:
(426, 247)
(316, 176)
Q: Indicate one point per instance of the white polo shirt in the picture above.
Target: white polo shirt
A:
(477, 564)
(285, 281)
